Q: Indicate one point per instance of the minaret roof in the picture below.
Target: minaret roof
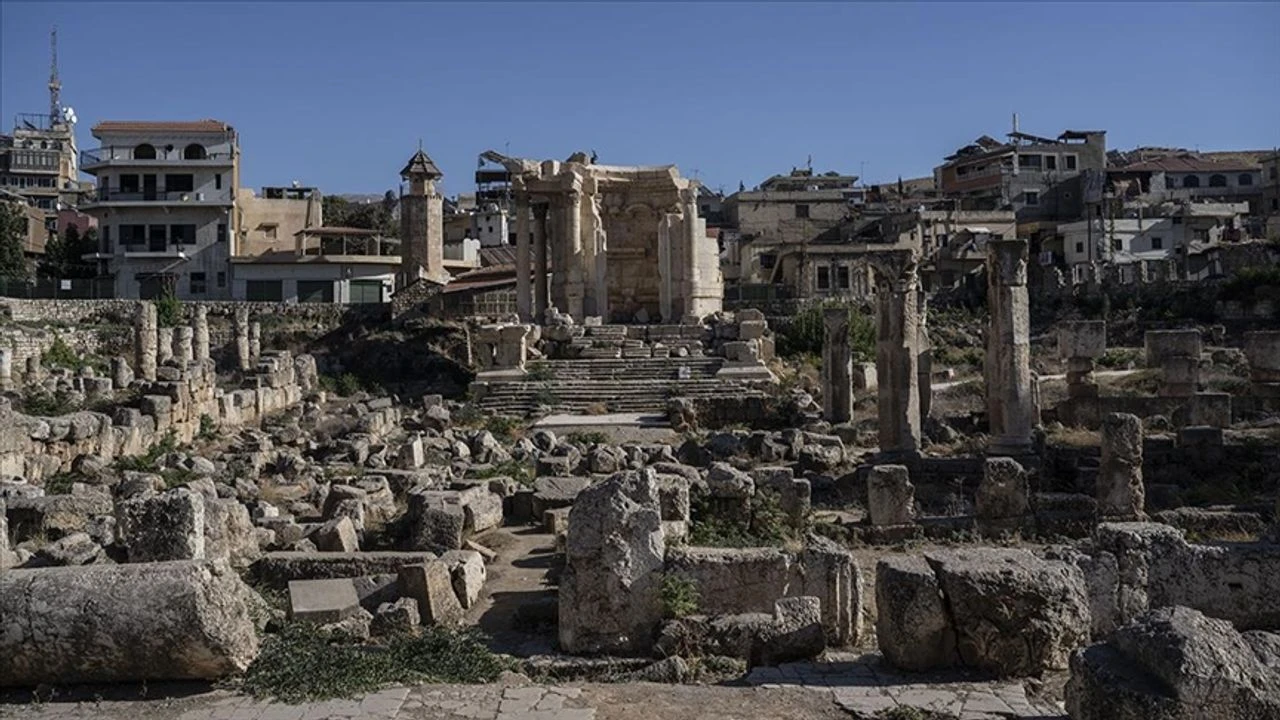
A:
(420, 164)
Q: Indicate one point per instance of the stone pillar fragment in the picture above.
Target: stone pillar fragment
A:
(1002, 503)
(1008, 363)
(897, 335)
(121, 373)
(891, 497)
(524, 255)
(164, 345)
(144, 341)
(1120, 491)
(183, 345)
(1263, 351)
(837, 366)
(255, 341)
(200, 333)
(35, 370)
(240, 325)
(540, 263)
(1177, 354)
(1080, 344)
(6, 369)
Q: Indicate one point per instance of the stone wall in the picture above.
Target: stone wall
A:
(80, 311)
(24, 342)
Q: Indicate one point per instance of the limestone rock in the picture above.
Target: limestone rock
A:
(1120, 489)
(430, 584)
(1174, 663)
(169, 526)
(229, 533)
(466, 568)
(890, 495)
(323, 601)
(338, 535)
(74, 549)
(610, 590)
(396, 618)
(125, 623)
(912, 623)
(724, 481)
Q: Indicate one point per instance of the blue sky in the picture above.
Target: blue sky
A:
(338, 94)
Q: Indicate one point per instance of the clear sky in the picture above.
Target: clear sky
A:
(337, 94)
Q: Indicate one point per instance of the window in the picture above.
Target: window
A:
(1080, 247)
(365, 291)
(1069, 162)
(1169, 182)
(222, 279)
(222, 232)
(802, 211)
(1191, 181)
(315, 291)
(144, 152)
(1217, 181)
(156, 237)
(1031, 197)
(1272, 172)
(1275, 204)
(105, 239)
(197, 283)
(824, 277)
(133, 234)
(1177, 219)
(842, 277)
(263, 290)
(1029, 161)
(1244, 179)
(1157, 243)
(179, 183)
(269, 231)
(194, 151)
(217, 181)
(182, 234)
(767, 260)
(1117, 244)
(1050, 162)
(129, 184)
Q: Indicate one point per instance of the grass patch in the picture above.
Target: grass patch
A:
(60, 484)
(208, 428)
(680, 597)
(150, 460)
(521, 472)
(42, 403)
(503, 427)
(1120, 358)
(539, 372)
(1075, 437)
(588, 437)
(764, 525)
(303, 662)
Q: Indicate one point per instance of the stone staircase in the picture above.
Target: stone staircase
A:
(620, 385)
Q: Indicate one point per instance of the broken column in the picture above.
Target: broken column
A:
(200, 333)
(1263, 351)
(240, 325)
(6, 369)
(183, 345)
(891, 498)
(1008, 363)
(121, 373)
(255, 342)
(144, 341)
(1002, 503)
(1080, 344)
(897, 337)
(35, 371)
(837, 366)
(169, 526)
(125, 623)
(610, 592)
(164, 345)
(1120, 492)
(1177, 354)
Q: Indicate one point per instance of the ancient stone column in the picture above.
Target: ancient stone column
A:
(35, 371)
(121, 373)
(1120, 491)
(837, 366)
(898, 391)
(924, 362)
(255, 341)
(692, 273)
(6, 369)
(665, 280)
(240, 325)
(891, 498)
(1263, 351)
(1002, 502)
(1177, 354)
(164, 345)
(524, 293)
(540, 263)
(1080, 344)
(1008, 362)
(144, 341)
(573, 230)
(184, 345)
(200, 333)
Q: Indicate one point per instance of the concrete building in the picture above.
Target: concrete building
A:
(166, 206)
(1269, 201)
(1190, 176)
(326, 265)
(36, 236)
(1160, 233)
(271, 221)
(1042, 180)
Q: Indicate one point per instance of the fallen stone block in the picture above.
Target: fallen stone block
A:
(169, 526)
(396, 618)
(431, 585)
(74, 549)
(550, 493)
(913, 626)
(466, 568)
(276, 569)
(323, 601)
(125, 623)
(338, 535)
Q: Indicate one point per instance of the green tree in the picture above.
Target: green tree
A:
(13, 237)
(63, 256)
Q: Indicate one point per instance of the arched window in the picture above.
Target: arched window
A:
(194, 151)
(1244, 179)
(1191, 181)
(144, 152)
(1217, 181)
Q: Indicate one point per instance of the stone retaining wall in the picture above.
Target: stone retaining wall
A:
(79, 311)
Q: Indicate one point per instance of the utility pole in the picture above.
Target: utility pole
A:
(55, 85)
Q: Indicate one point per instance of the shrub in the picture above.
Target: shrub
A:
(804, 333)
(539, 372)
(1120, 358)
(348, 384)
(680, 597)
(61, 355)
(303, 662)
(150, 460)
(502, 427)
(168, 310)
(545, 396)
(41, 402)
(208, 428)
(588, 437)
(765, 525)
(521, 472)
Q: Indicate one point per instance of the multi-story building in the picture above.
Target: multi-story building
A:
(1270, 198)
(1190, 176)
(166, 206)
(1159, 233)
(271, 221)
(38, 161)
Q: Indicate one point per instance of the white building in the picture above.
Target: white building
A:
(165, 205)
(1134, 238)
(327, 265)
(489, 225)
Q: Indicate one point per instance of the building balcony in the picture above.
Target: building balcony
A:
(132, 156)
(115, 197)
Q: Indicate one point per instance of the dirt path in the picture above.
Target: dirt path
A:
(517, 605)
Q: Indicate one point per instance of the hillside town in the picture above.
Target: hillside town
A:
(595, 441)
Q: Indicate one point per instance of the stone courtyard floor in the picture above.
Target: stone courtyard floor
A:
(845, 686)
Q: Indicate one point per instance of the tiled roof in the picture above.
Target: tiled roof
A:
(420, 164)
(1187, 164)
(500, 255)
(145, 126)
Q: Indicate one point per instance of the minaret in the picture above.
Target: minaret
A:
(421, 223)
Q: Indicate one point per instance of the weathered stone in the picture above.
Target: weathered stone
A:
(1002, 502)
(276, 569)
(913, 625)
(125, 623)
(435, 523)
(1120, 490)
(890, 495)
(796, 633)
(555, 492)
(609, 592)
(431, 585)
(323, 601)
(396, 618)
(229, 532)
(1174, 663)
(837, 366)
(169, 526)
(1014, 614)
(74, 549)
(725, 481)
(466, 568)
(1010, 410)
(338, 535)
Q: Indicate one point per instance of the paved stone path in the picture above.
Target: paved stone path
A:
(847, 685)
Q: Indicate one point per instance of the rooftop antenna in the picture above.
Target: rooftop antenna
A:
(55, 86)
(1015, 144)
